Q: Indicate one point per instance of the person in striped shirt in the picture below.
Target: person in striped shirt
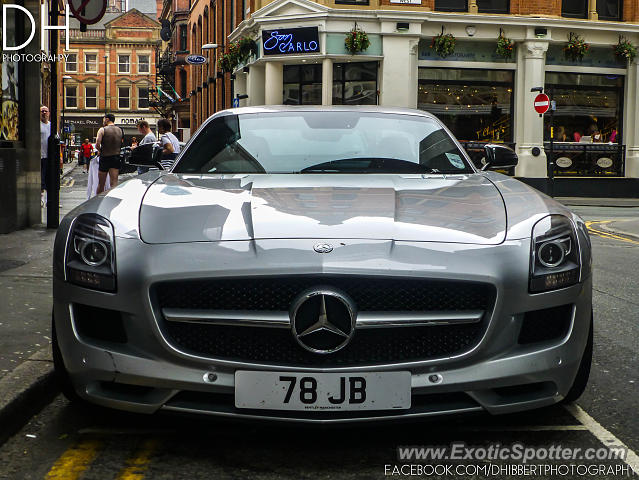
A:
(170, 144)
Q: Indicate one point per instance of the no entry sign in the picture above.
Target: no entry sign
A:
(542, 103)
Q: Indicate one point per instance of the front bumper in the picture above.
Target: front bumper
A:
(147, 374)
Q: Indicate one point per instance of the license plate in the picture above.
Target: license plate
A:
(322, 391)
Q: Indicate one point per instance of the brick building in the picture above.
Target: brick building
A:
(479, 94)
(110, 68)
(173, 71)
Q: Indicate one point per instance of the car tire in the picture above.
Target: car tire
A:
(60, 372)
(581, 380)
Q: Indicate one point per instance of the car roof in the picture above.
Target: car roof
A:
(325, 108)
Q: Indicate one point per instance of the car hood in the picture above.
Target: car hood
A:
(460, 208)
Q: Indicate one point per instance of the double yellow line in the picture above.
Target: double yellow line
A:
(79, 457)
(605, 234)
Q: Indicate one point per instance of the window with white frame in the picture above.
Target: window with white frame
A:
(144, 64)
(91, 62)
(91, 97)
(143, 98)
(124, 63)
(124, 98)
(71, 96)
(71, 63)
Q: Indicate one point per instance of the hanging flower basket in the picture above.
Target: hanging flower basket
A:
(505, 46)
(576, 48)
(356, 41)
(247, 47)
(227, 62)
(444, 44)
(625, 50)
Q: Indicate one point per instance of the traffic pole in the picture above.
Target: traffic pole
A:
(53, 150)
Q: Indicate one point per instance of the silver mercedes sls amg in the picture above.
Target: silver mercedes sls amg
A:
(323, 264)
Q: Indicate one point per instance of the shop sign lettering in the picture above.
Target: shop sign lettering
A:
(290, 41)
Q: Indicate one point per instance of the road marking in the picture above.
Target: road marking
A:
(603, 435)
(139, 462)
(527, 428)
(74, 461)
(605, 234)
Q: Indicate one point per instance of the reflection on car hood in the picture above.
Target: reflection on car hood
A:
(453, 208)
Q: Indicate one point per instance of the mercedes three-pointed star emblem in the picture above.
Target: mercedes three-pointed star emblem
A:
(323, 320)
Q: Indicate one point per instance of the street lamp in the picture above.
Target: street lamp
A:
(212, 46)
(64, 136)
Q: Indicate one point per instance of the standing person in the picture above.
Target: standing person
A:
(147, 137)
(170, 144)
(108, 144)
(45, 132)
(134, 142)
(86, 151)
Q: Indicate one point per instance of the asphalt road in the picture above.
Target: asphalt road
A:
(65, 442)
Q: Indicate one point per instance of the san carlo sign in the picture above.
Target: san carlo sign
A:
(290, 41)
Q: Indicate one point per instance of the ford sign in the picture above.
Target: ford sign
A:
(195, 59)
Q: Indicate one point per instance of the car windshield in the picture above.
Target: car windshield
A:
(303, 142)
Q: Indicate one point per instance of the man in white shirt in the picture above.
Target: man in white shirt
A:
(45, 132)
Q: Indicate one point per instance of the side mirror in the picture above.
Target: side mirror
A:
(146, 156)
(499, 157)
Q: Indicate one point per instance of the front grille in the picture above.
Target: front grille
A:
(368, 346)
(369, 294)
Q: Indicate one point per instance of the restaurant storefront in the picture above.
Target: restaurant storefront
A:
(478, 94)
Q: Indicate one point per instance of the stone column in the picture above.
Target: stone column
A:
(274, 83)
(398, 77)
(240, 86)
(472, 6)
(592, 10)
(631, 123)
(327, 81)
(529, 126)
(255, 85)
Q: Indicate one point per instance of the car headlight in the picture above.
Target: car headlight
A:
(555, 258)
(90, 258)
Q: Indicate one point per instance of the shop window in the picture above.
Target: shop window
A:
(493, 6)
(91, 63)
(144, 63)
(451, 5)
(124, 63)
(143, 98)
(71, 96)
(183, 38)
(302, 85)
(574, 8)
(587, 106)
(12, 83)
(476, 105)
(355, 83)
(124, 98)
(71, 64)
(91, 97)
(609, 10)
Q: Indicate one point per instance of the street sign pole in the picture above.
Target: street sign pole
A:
(551, 161)
(53, 146)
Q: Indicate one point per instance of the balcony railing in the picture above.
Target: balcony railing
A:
(587, 159)
(76, 34)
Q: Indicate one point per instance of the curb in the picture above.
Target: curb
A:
(25, 391)
(617, 231)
